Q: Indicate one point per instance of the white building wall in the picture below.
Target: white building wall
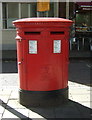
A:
(7, 36)
(8, 39)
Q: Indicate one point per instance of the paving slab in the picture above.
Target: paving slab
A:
(1, 109)
(9, 114)
(84, 111)
(67, 111)
(14, 95)
(78, 85)
(0, 116)
(35, 115)
(82, 98)
(86, 104)
(15, 104)
(44, 112)
(70, 96)
(22, 113)
(12, 113)
(12, 119)
(4, 96)
(79, 91)
(9, 79)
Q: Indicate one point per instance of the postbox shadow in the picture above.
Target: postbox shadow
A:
(13, 111)
(71, 109)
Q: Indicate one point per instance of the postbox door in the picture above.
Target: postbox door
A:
(60, 54)
(45, 61)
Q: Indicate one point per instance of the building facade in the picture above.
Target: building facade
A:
(11, 10)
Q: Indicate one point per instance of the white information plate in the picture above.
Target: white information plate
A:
(32, 46)
(57, 46)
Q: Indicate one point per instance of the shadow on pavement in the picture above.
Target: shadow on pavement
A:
(70, 110)
(80, 72)
(13, 111)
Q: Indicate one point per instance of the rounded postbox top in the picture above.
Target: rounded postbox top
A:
(29, 20)
(41, 21)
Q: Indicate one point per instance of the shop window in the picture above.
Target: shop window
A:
(14, 11)
(24, 10)
(51, 12)
(33, 9)
(10, 13)
(4, 16)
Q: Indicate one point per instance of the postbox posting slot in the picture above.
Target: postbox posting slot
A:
(33, 33)
(56, 32)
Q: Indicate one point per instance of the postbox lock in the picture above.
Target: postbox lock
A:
(19, 40)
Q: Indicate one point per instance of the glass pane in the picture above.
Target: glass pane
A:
(4, 10)
(13, 14)
(51, 12)
(9, 23)
(4, 15)
(33, 9)
(80, 18)
(13, 10)
(24, 10)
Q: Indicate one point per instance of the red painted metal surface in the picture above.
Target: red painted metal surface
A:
(44, 70)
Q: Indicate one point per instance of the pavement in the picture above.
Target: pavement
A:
(79, 105)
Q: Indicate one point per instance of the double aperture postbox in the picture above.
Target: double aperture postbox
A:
(42, 55)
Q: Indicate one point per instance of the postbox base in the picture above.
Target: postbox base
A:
(43, 98)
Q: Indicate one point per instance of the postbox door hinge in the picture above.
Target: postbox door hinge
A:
(20, 40)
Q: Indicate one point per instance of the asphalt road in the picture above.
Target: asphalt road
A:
(79, 70)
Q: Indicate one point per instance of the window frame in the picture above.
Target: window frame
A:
(19, 13)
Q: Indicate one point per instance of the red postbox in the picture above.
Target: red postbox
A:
(42, 53)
